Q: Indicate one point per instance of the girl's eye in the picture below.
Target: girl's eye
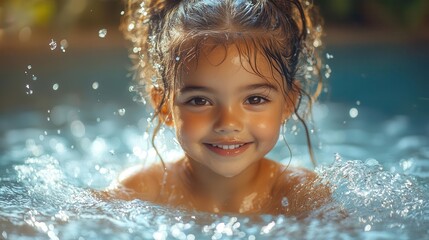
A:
(198, 101)
(256, 100)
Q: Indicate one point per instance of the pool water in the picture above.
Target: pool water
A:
(47, 174)
(79, 129)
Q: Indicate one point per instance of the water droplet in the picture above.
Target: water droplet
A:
(27, 86)
(102, 33)
(95, 85)
(353, 112)
(34, 77)
(131, 26)
(55, 86)
(53, 45)
(337, 157)
(371, 162)
(358, 102)
(48, 118)
(121, 111)
(49, 111)
(136, 49)
(317, 43)
(285, 202)
(406, 164)
(64, 45)
(29, 67)
(190, 237)
(46, 133)
(77, 128)
(329, 56)
(177, 58)
(327, 71)
(122, 13)
(59, 131)
(98, 119)
(367, 228)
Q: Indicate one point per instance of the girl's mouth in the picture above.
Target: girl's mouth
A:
(228, 149)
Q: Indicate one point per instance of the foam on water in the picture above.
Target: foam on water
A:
(48, 188)
(378, 199)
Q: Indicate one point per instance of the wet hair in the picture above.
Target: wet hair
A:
(168, 34)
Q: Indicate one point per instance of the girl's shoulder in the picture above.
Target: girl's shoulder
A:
(289, 174)
(298, 191)
(142, 182)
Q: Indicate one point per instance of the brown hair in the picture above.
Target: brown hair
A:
(166, 34)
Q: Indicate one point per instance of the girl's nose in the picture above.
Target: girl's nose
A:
(228, 120)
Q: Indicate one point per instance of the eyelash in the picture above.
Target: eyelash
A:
(263, 100)
(192, 101)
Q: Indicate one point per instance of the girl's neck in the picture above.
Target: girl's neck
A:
(201, 180)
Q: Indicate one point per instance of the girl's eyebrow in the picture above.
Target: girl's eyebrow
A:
(191, 88)
(266, 86)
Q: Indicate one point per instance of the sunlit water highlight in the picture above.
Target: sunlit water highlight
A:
(49, 169)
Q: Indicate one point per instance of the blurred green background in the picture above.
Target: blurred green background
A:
(64, 15)
(380, 50)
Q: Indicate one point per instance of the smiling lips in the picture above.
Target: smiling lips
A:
(228, 149)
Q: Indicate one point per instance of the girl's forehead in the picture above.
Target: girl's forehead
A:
(239, 54)
(226, 60)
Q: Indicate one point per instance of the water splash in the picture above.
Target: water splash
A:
(52, 45)
(376, 198)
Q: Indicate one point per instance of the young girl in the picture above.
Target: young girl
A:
(223, 75)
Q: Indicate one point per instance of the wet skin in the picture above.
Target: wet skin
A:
(227, 118)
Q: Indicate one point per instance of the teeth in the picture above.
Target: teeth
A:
(228, 147)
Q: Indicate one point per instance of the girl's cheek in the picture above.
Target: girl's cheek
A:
(190, 124)
(266, 126)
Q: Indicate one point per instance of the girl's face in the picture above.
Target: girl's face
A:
(226, 116)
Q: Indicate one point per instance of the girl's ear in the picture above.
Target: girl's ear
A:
(291, 100)
(161, 108)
